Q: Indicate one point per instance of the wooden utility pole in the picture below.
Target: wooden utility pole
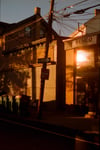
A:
(44, 67)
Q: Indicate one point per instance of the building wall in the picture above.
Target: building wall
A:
(93, 25)
(24, 45)
(0, 42)
(84, 38)
(50, 85)
(29, 83)
(22, 36)
(86, 69)
(69, 75)
(22, 60)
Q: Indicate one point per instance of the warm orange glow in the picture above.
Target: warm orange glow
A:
(0, 42)
(82, 56)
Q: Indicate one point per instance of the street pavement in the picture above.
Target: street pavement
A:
(61, 123)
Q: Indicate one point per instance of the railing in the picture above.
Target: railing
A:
(9, 103)
(17, 104)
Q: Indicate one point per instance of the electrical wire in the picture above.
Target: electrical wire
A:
(81, 11)
(80, 4)
(66, 26)
(77, 13)
(59, 16)
(71, 6)
(81, 17)
(75, 20)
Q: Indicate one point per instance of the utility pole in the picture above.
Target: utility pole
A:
(44, 67)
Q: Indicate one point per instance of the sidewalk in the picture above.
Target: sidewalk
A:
(73, 122)
(62, 120)
(71, 117)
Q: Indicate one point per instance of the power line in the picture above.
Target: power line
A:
(78, 13)
(71, 6)
(66, 16)
(66, 26)
(81, 11)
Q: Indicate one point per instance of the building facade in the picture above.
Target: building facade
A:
(24, 44)
(82, 69)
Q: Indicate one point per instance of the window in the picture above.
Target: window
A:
(42, 34)
(27, 31)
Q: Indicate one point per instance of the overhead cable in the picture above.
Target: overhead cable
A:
(71, 6)
(81, 11)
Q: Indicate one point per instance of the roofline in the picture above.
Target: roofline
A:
(73, 38)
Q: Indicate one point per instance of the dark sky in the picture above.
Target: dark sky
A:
(15, 10)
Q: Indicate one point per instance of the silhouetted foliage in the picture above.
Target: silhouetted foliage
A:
(12, 73)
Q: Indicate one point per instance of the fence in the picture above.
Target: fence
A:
(15, 104)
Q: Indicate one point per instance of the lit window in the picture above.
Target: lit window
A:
(84, 58)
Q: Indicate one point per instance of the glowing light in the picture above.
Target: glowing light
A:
(82, 56)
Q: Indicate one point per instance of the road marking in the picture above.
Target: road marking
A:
(50, 132)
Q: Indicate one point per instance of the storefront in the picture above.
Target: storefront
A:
(82, 70)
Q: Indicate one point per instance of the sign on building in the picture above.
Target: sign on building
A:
(44, 60)
(45, 74)
(84, 41)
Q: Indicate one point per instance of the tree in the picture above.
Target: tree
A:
(13, 72)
